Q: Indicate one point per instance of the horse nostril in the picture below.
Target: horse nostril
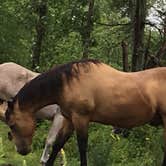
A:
(23, 153)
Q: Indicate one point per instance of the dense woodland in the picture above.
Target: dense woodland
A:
(129, 35)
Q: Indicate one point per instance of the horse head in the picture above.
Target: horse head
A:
(22, 125)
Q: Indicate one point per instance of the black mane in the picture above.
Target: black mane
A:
(51, 83)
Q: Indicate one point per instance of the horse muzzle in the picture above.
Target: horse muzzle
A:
(23, 151)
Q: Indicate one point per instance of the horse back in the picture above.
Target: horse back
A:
(13, 77)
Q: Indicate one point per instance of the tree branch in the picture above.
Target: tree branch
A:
(113, 25)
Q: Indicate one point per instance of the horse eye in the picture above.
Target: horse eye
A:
(1, 101)
(9, 136)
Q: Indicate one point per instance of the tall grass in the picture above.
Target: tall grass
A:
(144, 147)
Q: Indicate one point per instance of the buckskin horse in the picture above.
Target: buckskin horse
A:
(13, 77)
(88, 91)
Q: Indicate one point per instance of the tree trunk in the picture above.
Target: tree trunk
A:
(41, 10)
(165, 26)
(86, 36)
(125, 56)
(147, 51)
(138, 35)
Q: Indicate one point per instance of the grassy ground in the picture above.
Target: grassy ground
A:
(143, 147)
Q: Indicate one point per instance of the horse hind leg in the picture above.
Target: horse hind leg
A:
(45, 154)
(61, 138)
(81, 124)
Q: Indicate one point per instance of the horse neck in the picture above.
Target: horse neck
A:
(44, 103)
(37, 94)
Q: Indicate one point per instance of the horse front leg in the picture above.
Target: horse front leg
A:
(61, 138)
(164, 159)
(82, 140)
(52, 136)
(81, 126)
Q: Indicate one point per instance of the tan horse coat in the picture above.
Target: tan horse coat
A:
(109, 96)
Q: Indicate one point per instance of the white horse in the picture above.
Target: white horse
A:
(12, 79)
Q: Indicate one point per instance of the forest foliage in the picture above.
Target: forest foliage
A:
(129, 35)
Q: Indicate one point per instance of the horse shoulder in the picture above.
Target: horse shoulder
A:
(77, 100)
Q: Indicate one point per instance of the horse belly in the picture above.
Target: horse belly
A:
(124, 115)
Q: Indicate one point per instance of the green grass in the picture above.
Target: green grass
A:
(144, 147)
